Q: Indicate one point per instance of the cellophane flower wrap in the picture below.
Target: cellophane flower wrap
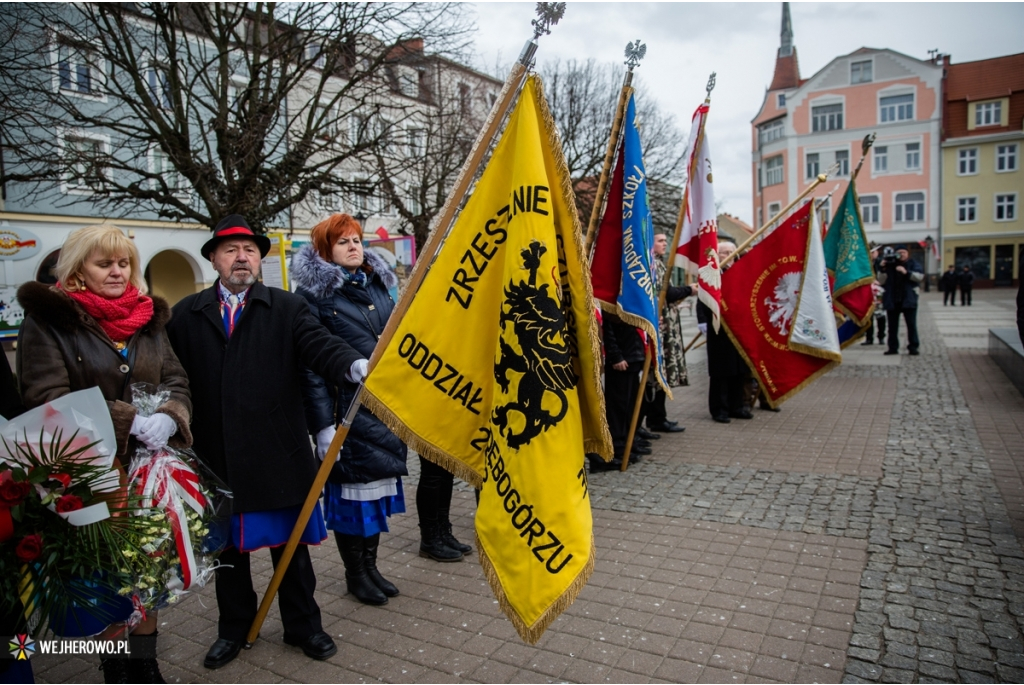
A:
(69, 550)
(177, 505)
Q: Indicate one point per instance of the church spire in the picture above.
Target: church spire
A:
(786, 48)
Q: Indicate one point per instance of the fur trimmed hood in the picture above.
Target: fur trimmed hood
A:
(320, 278)
(49, 304)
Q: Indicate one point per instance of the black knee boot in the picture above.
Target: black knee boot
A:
(370, 545)
(358, 582)
(435, 484)
(115, 670)
(445, 523)
(146, 669)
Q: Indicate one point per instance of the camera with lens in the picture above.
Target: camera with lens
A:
(889, 257)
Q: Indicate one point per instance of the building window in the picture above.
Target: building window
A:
(771, 131)
(909, 207)
(408, 81)
(1006, 207)
(896, 108)
(1006, 157)
(860, 72)
(869, 206)
(843, 159)
(880, 155)
(416, 143)
(162, 167)
(966, 210)
(781, 100)
(464, 98)
(988, 113)
(827, 118)
(83, 159)
(813, 165)
(773, 209)
(325, 122)
(414, 206)
(358, 129)
(315, 52)
(760, 217)
(913, 156)
(967, 161)
(159, 87)
(773, 171)
(361, 197)
(978, 258)
(78, 72)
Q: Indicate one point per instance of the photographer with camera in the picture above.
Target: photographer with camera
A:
(900, 277)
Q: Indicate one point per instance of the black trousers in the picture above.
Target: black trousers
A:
(726, 394)
(965, 296)
(910, 316)
(434, 493)
(949, 296)
(620, 390)
(237, 601)
(653, 408)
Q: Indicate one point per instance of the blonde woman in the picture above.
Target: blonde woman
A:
(97, 327)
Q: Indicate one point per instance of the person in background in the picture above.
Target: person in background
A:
(347, 290)
(96, 327)
(729, 373)
(244, 345)
(965, 279)
(947, 283)
(900, 276)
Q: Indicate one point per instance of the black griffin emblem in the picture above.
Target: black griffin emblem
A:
(538, 325)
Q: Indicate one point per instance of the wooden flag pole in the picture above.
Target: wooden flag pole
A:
(634, 53)
(746, 243)
(549, 13)
(636, 408)
(695, 338)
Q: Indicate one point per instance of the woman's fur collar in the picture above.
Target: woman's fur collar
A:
(320, 278)
(53, 306)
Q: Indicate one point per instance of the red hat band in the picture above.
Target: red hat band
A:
(235, 230)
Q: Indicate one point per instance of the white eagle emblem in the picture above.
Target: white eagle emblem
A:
(782, 304)
(709, 273)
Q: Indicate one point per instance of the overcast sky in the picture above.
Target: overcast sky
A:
(687, 41)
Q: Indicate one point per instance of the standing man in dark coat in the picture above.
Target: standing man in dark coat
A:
(900, 276)
(729, 373)
(966, 281)
(624, 359)
(243, 346)
(948, 286)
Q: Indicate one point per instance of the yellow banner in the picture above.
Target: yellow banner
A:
(493, 371)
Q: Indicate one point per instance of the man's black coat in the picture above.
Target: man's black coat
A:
(248, 422)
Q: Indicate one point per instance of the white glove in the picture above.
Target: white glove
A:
(138, 423)
(157, 431)
(357, 372)
(323, 441)
(703, 328)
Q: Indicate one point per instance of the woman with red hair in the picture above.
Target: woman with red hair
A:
(347, 290)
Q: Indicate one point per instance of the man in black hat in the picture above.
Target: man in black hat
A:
(243, 345)
(900, 277)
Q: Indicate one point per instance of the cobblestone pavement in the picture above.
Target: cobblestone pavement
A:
(864, 533)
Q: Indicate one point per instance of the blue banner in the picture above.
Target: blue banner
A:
(638, 294)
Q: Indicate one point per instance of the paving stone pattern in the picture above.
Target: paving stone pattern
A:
(859, 535)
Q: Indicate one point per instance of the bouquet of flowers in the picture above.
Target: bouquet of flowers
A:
(67, 549)
(178, 509)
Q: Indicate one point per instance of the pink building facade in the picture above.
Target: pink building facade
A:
(807, 125)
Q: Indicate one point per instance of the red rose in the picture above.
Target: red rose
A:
(29, 548)
(67, 503)
(13, 492)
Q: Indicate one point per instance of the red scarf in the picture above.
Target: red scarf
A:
(119, 317)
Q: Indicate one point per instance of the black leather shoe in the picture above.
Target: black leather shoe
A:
(742, 414)
(768, 407)
(317, 646)
(598, 465)
(640, 449)
(913, 353)
(642, 443)
(668, 428)
(891, 352)
(642, 432)
(222, 653)
(721, 419)
(867, 342)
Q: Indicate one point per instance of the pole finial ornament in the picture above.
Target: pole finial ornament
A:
(866, 144)
(548, 14)
(711, 83)
(634, 53)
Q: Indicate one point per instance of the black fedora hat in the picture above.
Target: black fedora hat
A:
(234, 226)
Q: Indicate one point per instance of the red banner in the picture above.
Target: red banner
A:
(606, 265)
(760, 294)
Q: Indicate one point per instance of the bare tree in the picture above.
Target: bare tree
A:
(582, 96)
(198, 110)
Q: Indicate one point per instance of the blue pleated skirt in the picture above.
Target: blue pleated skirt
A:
(364, 519)
(255, 530)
